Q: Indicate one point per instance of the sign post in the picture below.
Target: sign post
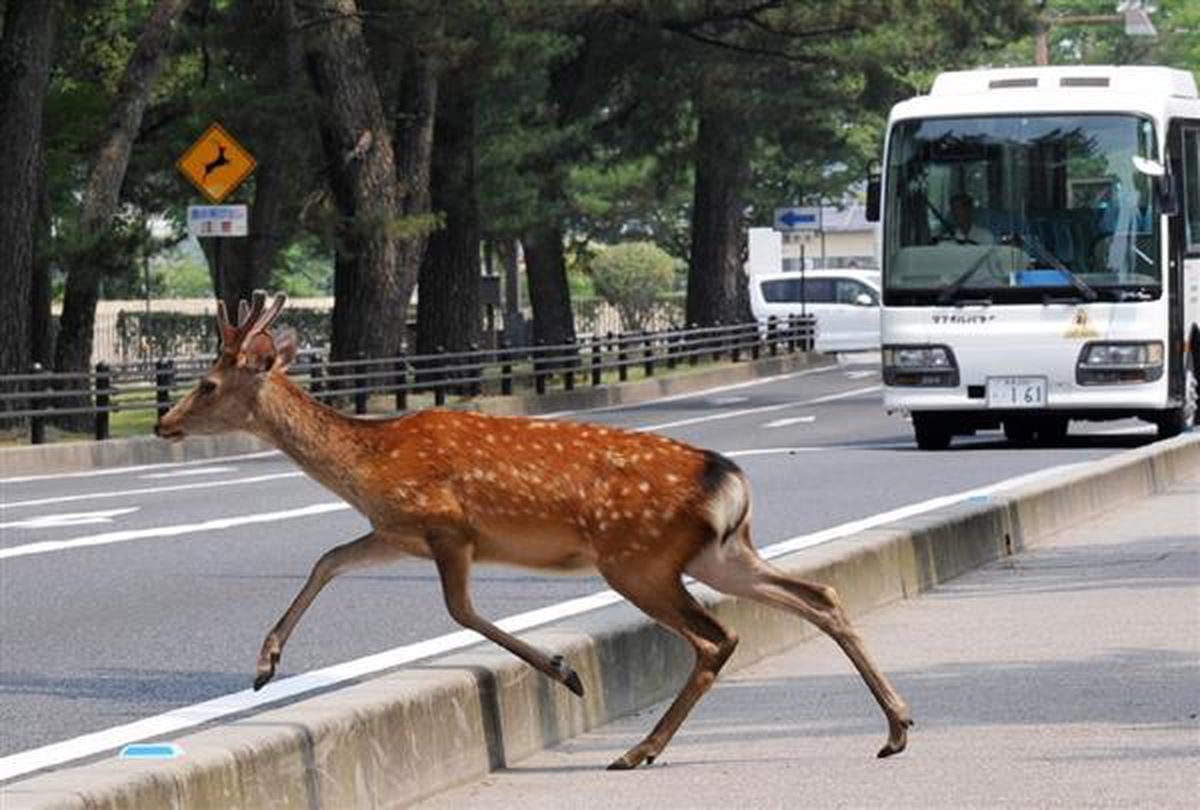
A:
(803, 218)
(216, 165)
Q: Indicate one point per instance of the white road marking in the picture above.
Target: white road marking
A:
(791, 420)
(22, 479)
(186, 717)
(88, 496)
(704, 392)
(183, 473)
(1132, 429)
(68, 519)
(125, 536)
(858, 375)
(721, 401)
(779, 406)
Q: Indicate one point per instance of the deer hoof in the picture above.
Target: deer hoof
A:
(568, 676)
(632, 758)
(266, 671)
(897, 740)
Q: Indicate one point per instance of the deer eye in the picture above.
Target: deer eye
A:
(206, 387)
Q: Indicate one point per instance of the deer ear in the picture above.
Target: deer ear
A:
(286, 346)
(258, 353)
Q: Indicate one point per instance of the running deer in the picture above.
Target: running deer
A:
(460, 488)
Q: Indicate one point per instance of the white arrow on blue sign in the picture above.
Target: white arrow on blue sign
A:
(798, 219)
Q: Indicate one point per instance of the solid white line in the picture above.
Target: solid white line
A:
(126, 535)
(713, 417)
(184, 473)
(790, 420)
(189, 716)
(22, 479)
(704, 392)
(254, 479)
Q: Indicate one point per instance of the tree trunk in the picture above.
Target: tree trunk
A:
(716, 290)
(549, 295)
(370, 293)
(414, 154)
(101, 194)
(448, 293)
(26, 52)
(41, 338)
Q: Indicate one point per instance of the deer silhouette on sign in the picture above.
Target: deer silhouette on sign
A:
(216, 163)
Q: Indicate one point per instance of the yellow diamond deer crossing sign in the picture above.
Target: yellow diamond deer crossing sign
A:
(216, 164)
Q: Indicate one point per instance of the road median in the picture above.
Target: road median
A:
(392, 739)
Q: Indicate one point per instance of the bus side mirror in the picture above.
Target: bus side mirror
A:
(1163, 183)
(873, 192)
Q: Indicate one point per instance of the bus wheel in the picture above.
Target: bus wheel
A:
(1174, 421)
(932, 432)
(1019, 431)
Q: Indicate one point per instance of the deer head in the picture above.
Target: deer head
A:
(224, 399)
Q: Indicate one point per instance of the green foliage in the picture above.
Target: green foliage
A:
(631, 276)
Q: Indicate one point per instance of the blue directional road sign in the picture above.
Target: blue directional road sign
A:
(798, 219)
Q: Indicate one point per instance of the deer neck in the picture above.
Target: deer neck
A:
(320, 440)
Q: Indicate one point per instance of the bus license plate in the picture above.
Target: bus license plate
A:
(1016, 392)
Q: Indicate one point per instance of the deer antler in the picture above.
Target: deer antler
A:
(251, 320)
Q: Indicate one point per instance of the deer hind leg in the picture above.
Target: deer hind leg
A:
(735, 568)
(667, 601)
(367, 550)
(453, 558)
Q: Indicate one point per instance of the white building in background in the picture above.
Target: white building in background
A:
(849, 241)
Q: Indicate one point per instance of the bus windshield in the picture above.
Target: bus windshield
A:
(1014, 209)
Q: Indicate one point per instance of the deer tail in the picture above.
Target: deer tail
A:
(728, 495)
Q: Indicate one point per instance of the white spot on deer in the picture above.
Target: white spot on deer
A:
(672, 478)
(644, 486)
(394, 454)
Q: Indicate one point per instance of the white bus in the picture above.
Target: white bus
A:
(1041, 251)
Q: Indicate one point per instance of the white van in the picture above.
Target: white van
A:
(844, 302)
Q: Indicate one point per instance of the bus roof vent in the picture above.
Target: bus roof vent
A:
(1084, 81)
(1008, 84)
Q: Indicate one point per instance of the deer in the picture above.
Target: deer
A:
(459, 488)
(217, 162)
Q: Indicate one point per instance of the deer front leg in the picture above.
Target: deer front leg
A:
(453, 557)
(367, 550)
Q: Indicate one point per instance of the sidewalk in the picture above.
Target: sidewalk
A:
(1068, 676)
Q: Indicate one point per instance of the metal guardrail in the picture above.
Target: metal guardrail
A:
(42, 396)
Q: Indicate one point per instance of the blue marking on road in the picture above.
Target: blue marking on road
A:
(151, 751)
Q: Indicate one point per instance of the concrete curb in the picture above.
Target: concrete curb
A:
(80, 456)
(394, 739)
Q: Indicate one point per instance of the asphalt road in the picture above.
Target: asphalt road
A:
(136, 591)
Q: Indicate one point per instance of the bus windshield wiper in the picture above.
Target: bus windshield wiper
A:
(1045, 255)
(950, 291)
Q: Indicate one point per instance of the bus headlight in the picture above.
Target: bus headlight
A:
(929, 366)
(1119, 363)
